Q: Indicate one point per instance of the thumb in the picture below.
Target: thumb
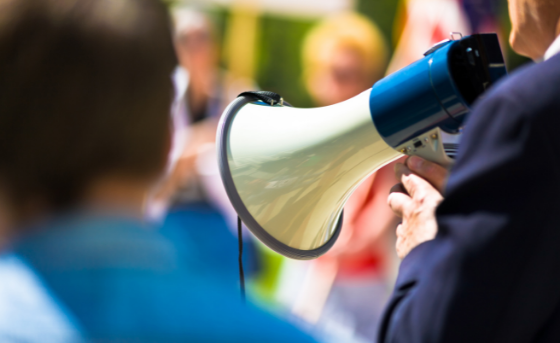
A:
(432, 172)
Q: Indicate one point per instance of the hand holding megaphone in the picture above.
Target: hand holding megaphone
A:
(415, 200)
(289, 171)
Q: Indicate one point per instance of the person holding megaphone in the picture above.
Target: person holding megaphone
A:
(483, 264)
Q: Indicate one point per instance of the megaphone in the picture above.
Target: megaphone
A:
(289, 171)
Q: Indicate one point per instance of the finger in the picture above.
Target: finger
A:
(432, 172)
(398, 188)
(399, 202)
(400, 230)
(418, 187)
(400, 170)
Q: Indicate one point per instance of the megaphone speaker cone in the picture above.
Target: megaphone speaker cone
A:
(289, 171)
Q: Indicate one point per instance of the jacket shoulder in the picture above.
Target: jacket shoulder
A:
(532, 89)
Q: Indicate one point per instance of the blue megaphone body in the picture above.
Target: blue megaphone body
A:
(436, 91)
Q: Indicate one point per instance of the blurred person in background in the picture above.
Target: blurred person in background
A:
(192, 200)
(347, 287)
(85, 91)
(421, 24)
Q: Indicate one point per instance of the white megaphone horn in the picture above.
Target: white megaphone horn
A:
(289, 171)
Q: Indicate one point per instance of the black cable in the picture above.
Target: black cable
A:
(241, 274)
(272, 99)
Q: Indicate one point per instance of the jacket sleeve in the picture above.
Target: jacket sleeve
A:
(483, 274)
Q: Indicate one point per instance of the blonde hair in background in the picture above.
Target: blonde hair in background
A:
(345, 31)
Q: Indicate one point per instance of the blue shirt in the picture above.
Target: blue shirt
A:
(123, 280)
(28, 311)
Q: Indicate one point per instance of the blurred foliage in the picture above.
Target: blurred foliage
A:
(278, 58)
(279, 61)
(279, 67)
(280, 40)
(383, 13)
(219, 17)
(171, 3)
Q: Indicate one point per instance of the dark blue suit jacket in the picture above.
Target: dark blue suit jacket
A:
(492, 274)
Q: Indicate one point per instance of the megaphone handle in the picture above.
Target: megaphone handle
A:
(270, 98)
(428, 146)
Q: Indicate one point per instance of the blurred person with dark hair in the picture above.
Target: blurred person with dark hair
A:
(85, 91)
(343, 56)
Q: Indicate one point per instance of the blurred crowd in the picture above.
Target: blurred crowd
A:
(114, 221)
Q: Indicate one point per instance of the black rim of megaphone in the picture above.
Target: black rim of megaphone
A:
(238, 204)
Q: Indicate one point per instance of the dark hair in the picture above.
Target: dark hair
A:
(85, 90)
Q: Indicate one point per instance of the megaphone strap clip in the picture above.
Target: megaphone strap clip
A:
(265, 96)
